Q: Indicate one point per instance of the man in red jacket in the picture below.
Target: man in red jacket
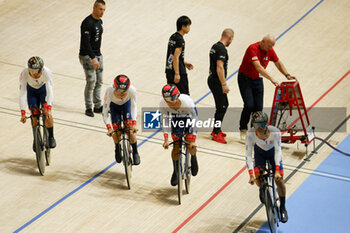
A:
(250, 74)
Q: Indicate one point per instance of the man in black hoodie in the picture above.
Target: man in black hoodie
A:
(91, 58)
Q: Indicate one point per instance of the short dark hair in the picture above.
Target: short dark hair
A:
(183, 21)
(99, 1)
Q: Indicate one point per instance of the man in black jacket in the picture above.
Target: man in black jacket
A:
(176, 65)
(91, 58)
(217, 80)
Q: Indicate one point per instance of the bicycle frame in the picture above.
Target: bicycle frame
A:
(184, 164)
(126, 150)
(41, 142)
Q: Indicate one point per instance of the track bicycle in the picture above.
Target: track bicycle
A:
(270, 197)
(126, 151)
(184, 167)
(41, 142)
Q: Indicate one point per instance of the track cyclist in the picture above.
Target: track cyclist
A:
(36, 87)
(177, 109)
(120, 99)
(266, 141)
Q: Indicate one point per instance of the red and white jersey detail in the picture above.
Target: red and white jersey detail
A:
(273, 141)
(254, 53)
(25, 78)
(187, 108)
(110, 97)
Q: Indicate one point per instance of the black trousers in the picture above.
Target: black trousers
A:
(252, 92)
(221, 101)
(182, 85)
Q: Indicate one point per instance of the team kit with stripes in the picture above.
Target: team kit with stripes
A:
(178, 110)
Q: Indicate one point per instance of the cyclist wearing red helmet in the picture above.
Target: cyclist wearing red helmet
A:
(120, 99)
(176, 108)
(36, 87)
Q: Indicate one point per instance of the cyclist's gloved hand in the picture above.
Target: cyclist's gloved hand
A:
(23, 116)
(109, 130)
(47, 114)
(251, 179)
(166, 144)
(278, 176)
(193, 145)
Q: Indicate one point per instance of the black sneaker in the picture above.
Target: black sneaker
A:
(118, 156)
(52, 142)
(174, 180)
(261, 196)
(98, 110)
(89, 112)
(136, 158)
(194, 165)
(284, 214)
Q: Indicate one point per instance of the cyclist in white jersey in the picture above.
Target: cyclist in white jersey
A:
(266, 141)
(177, 110)
(36, 90)
(120, 99)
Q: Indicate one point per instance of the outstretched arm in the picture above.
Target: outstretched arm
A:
(22, 97)
(280, 66)
(264, 73)
(105, 112)
(249, 155)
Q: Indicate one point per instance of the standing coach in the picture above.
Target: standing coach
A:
(176, 65)
(91, 58)
(217, 80)
(250, 74)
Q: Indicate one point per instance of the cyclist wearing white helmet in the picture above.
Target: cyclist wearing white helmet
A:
(36, 90)
(266, 141)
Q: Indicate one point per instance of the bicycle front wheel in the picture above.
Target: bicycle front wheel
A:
(187, 172)
(47, 148)
(39, 147)
(179, 180)
(270, 211)
(127, 162)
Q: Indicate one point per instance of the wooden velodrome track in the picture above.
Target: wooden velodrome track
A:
(74, 196)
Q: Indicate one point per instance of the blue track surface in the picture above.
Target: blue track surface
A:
(322, 203)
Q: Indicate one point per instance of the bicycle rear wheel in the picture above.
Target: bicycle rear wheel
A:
(47, 148)
(179, 180)
(270, 211)
(127, 162)
(39, 147)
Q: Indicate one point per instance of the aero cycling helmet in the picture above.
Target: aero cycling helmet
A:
(259, 120)
(35, 64)
(170, 92)
(121, 83)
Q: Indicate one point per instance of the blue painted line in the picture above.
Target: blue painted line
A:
(144, 141)
(321, 203)
(64, 198)
(149, 137)
(278, 37)
(313, 8)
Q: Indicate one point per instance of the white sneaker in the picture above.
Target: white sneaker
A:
(243, 134)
